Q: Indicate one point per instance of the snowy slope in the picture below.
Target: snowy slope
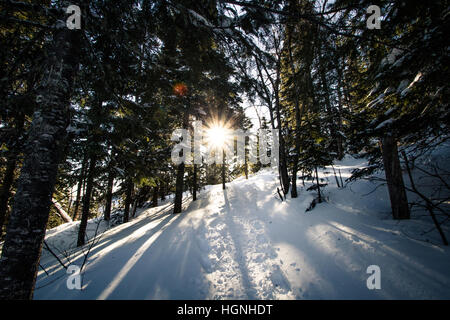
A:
(244, 243)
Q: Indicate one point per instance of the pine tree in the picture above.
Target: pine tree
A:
(22, 247)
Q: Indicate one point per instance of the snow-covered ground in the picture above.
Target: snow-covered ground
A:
(244, 243)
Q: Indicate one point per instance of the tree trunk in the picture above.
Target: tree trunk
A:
(162, 191)
(155, 196)
(179, 185)
(80, 184)
(318, 186)
(298, 117)
(8, 179)
(245, 164)
(134, 208)
(335, 125)
(194, 183)
(282, 166)
(6, 187)
(61, 212)
(128, 196)
(42, 153)
(294, 193)
(109, 193)
(393, 171)
(86, 201)
(284, 176)
(223, 169)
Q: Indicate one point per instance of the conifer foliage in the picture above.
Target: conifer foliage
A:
(88, 113)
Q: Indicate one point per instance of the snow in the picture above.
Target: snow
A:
(244, 243)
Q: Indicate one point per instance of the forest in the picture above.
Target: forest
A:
(93, 92)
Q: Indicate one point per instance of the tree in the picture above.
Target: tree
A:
(395, 89)
(23, 242)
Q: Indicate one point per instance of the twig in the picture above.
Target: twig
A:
(43, 269)
(53, 254)
(335, 177)
(279, 193)
(429, 203)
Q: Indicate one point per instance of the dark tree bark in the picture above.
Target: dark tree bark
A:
(318, 187)
(6, 187)
(42, 152)
(134, 208)
(87, 201)
(162, 191)
(223, 169)
(109, 193)
(335, 124)
(334, 127)
(294, 193)
(282, 150)
(245, 163)
(8, 180)
(179, 185)
(295, 159)
(194, 184)
(393, 171)
(128, 200)
(155, 196)
(81, 180)
(283, 161)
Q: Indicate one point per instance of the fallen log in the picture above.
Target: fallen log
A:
(61, 212)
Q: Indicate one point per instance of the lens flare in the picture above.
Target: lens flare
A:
(180, 89)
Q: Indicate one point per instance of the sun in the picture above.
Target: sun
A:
(217, 136)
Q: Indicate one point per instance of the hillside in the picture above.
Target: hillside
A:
(244, 243)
